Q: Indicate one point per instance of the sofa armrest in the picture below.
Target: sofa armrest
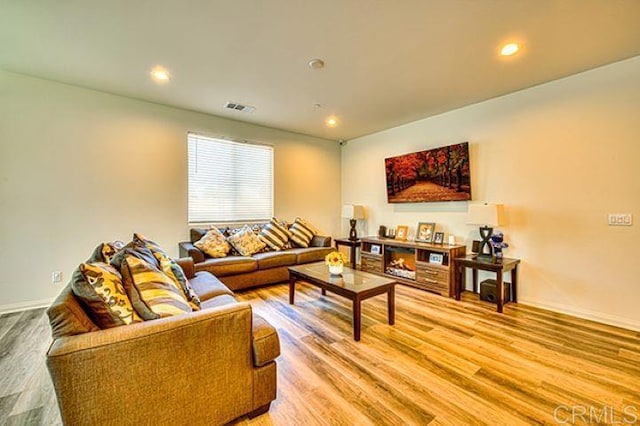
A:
(266, 344)
(188, 267)
(320, 241)
(187, 249)
(157, 368)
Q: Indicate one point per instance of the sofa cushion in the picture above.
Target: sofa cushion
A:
(229, 265)
(208, 286)
(153, 294)
(220, 300)
(265, 342)
(275, 235)
(301, 233)
(310, 254)
(273, 259)
(98, 286)
(246, 242)
(213, 243)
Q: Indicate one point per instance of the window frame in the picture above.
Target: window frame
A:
(227, 139)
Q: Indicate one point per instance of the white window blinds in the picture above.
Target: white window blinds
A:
(229, 181)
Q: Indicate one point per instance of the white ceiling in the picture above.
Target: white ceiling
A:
(387, 62)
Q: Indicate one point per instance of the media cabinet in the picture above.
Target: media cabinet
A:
(422, 265)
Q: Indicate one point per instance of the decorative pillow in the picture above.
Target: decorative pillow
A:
(152, 293)
(213, 243)
(301, 233)
(274, 235)
(171, 269)
(105, 252)
(134, 248)
(99, 288)
(246, 242)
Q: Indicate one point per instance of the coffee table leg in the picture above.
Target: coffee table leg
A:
(292, 288)
(391, 305)
(356, 319)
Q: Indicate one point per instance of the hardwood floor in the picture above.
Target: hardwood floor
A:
(442, 363)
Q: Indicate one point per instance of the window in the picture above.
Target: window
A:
(229, 181)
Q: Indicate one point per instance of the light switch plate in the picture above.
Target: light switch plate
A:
(620, 219)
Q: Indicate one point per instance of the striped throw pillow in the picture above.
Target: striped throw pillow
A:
(274, 235)
(171, 269)
(153, 294)
(98, 286)
(301, 232)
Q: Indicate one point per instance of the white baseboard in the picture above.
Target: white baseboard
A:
(25, 306)
(585, 314)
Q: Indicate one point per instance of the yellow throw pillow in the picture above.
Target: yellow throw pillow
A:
(171, 269)
(213, 243)
(153, 294)
(99, 288)
(246, 242)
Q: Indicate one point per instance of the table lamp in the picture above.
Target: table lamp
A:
(353, 213)
(487, 216)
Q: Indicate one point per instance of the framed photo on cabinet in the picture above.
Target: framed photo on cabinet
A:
(424, 234)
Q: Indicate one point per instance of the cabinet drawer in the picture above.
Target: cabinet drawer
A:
(427, 274)
(371, 264)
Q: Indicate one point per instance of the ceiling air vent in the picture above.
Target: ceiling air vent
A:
(239, 107)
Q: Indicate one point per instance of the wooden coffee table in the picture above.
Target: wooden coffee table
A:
(353, 284)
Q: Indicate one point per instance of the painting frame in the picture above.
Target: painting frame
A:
(424, 232)
(438, 238)
(401, 232)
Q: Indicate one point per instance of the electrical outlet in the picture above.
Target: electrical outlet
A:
(620, 219)
(56, 276)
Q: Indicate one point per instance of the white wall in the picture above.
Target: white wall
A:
(78, 167)
(560, 156)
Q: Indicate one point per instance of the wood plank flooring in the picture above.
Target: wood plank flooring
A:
(442, 363)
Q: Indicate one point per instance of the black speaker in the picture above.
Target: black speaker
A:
(489, 291)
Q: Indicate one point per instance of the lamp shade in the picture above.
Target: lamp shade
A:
(352, 211)
(485, 214)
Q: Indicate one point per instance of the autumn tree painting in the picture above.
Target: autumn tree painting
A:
(439, 174)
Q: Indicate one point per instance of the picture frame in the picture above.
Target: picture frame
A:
(436, 258)
(424, 232)
(438, 238)
(375, 249)
(401, 232)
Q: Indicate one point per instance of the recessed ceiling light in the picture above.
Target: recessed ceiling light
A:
(160, 75)
(331, 121)
(316, 64)
(509, 49)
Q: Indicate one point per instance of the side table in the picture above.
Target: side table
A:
(353, 244)
(499, 266)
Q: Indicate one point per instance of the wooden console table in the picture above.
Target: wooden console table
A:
(499, 266)
(429, 266)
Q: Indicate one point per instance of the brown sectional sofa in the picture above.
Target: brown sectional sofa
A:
(240, 272)
(204, 368)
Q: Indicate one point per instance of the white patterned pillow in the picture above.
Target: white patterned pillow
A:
(274, 235)
(246, 242)
(302, 232)
(213, 243)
